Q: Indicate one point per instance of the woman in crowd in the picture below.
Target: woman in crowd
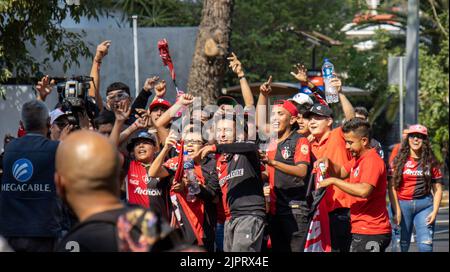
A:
(415, 189)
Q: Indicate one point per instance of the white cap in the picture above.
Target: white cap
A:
(55, 114)
(302, 98)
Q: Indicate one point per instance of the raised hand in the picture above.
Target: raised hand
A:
(185, 99)
(160, 89)
(102, 50)
(44, 87)
(236, 65)
(171, 140)
(337, 83)
(265, 88)
(122, 111)
(301, 74)
(150, 83)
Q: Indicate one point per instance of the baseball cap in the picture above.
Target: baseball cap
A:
(226, 100)
(301, 98)
(160, 102)
(141, 135)
(321, 110)
(55, 114)
(288, 105)
(418, 129)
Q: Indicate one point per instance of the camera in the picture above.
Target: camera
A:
(73, 95)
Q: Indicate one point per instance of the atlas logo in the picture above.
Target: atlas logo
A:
(22, 170)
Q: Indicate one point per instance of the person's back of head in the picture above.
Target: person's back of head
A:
(362, 113)
(35, 116)
(104, 122)
(87, 164)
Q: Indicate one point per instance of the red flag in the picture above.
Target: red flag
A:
(180, 169)
(320, 99)
(318, 238)
(163, 47)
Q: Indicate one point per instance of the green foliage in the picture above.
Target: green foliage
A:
(25, 22)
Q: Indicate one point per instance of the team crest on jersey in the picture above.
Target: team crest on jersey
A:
(356, 172)
(286, 153)
(146, 179)
(304, 149)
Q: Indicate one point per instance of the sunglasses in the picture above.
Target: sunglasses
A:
(193, 142)
(417, 135)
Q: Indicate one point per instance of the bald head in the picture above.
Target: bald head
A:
(88, 162)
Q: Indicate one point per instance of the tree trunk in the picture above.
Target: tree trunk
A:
(211, 50)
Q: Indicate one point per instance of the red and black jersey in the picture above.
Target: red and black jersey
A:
(147, 192)
(240, 179)
(285, 188)
(199, 217)
(413, 184)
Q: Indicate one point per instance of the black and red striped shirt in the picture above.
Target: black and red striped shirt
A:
(240, 179)
(285, 188)
(199, 217)
(147, 192)
(413, 184)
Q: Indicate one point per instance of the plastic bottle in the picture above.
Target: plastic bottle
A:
(396, 239)
(193, 186)
(331, 94)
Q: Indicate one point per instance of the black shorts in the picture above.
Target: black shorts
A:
(370, 243)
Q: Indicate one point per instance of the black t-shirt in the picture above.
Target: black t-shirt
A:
(97, 233)
(240, 178)
(287, 190)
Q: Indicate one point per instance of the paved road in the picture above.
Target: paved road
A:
(441, 242)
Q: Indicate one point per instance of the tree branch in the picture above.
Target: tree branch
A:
(441, 27)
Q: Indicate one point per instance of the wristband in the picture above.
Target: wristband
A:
(241, 77)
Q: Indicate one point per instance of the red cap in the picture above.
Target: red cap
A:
(418, 129)
(288, 105)
(160, 102)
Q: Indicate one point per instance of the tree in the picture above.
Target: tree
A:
(22, 22)
(211, 50)
(433, 70)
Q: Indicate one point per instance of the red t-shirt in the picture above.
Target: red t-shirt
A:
(414, 185)
(145, 191)
(333, 148)
(369, 215)
(194, 211)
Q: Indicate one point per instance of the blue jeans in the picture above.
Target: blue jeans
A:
(414, 213)
(219, 237)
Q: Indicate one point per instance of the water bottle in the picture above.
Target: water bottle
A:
(193, 186)
(396, 239)
(331, 94)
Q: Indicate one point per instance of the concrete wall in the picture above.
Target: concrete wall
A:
(118, 65)
(16, 96)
